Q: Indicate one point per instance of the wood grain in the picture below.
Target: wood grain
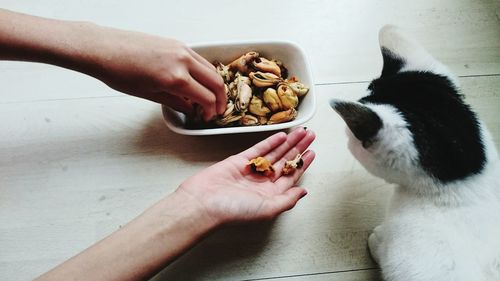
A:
(340, 37)
(78, 160)
(358, 275)
(73, 171)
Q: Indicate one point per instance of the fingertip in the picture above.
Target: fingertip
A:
(297, 133)
(299, 129)
(310, 154)
(308, 158)
(220, 110)
(311, 134)
(295, 194)
(281, 135)
(303, 194)
(221, 105)
(220, 94)
(208, 115)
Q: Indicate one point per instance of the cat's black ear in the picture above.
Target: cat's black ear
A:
(392, 63)
(363, 122)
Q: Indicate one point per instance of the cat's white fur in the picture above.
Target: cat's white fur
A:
(432, 231)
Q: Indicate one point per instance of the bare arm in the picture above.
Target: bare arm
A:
(142, 247)
(227, 192)
(159, 69)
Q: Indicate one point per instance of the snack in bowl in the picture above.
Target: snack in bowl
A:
(297, 64)
(259, 93)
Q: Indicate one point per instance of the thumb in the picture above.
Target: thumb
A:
(287, 200)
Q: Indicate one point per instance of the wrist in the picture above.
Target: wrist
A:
(82, 49)
(188, 212)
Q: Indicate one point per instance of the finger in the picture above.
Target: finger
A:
(263, 147)
(201, 59)
(177, 103)
(292, 139)
(212, 81)
(174, 102)
(290, 154)
(285, 201)
(285, 182)
(197, 93)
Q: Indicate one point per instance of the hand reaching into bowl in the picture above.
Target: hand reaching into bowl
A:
(165, 71)
(158, 69)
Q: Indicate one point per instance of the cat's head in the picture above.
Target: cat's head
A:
(413, 125)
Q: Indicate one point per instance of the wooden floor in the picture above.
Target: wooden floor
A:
(77, 159)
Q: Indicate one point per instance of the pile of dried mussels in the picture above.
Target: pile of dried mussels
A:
(258, 92)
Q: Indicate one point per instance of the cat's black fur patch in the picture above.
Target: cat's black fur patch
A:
(392, 63)
(445, 130)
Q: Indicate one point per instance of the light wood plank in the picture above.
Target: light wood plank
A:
(339, 36)
(360, 275)
(73, 171)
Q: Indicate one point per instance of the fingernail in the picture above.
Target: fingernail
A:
(304, 194)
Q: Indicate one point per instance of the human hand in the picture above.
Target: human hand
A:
(155, 68)
(230, 192)
(159, 69)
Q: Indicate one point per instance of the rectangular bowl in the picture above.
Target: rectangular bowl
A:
(292, 56)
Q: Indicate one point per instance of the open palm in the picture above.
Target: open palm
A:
(230, 192)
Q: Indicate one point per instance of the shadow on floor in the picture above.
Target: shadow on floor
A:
(156, 139)
(226, 251)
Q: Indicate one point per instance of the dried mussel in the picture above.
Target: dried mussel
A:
(262, 166)
(294, 164)
(287, 97)
(272, 99)
(265, 65)
(299, 89)
(249, 120)
(257, 107)
(223, 71)
(282, 116)
(243, 95)
(264, 79)
(259, 92)
(241, 64)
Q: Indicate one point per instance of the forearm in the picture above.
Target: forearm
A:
(67, 44)
(142, 247)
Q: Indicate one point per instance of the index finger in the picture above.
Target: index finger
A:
(201, 59)
(265, 146)
(212, 81)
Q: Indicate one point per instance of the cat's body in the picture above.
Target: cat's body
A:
(413, 129)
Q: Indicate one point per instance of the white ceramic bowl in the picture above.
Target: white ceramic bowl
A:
(292, 56)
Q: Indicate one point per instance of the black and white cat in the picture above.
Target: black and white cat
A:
(415, 130)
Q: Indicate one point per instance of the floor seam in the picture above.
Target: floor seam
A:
(367, 81)
(311, 274)
(316, 84)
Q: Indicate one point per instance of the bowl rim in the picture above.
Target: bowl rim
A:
(245, 42)
(246, 129)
